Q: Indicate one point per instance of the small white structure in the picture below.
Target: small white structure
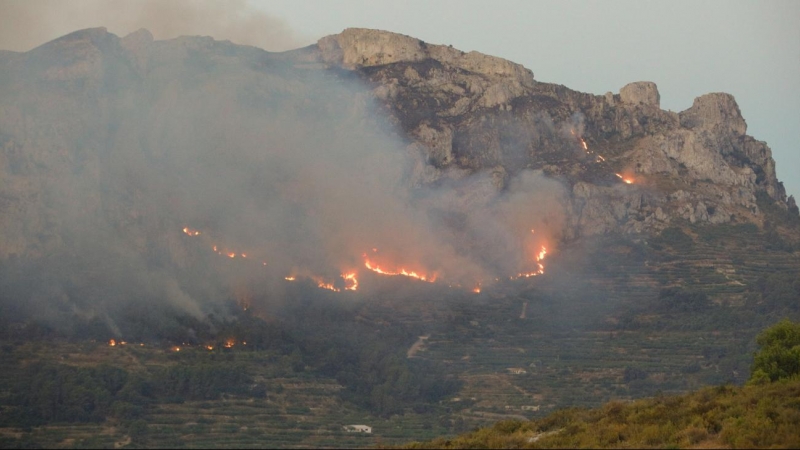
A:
(517, 370)
(358, 429)
(530, 407)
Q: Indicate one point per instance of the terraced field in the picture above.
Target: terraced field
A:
(594, 331)
(617, 319)
(299, 411)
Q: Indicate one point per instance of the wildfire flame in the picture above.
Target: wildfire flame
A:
(350, 277)
(322, 284)
(112, 343)
(229, 343)
(539, 258)
(351, 283)
(191, 232)
(626, 180)
(412, 274)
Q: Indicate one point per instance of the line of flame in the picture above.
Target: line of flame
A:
(403, 272)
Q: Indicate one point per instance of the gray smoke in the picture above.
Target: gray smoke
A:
(25, 24)
(297, 169)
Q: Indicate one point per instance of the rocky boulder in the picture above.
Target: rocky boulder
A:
(641, 93)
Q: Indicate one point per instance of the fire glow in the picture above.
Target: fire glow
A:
(322, 284)
(351, 282)
(406, 273)
(539, 258)
(350, 277)
(191, 232)
(626, 180)
(598, 157)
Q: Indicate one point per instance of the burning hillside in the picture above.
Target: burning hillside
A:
(330, 164)
(377, 263)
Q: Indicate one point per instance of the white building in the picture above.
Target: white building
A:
(358, 429)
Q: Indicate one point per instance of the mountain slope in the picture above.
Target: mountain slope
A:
(339, 203)
(470, 111)
(721, 417)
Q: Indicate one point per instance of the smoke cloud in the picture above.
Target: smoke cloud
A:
(275, 171)
(25, 24)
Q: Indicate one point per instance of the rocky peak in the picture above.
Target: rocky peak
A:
(641, 93)
(718, 112)
(138, 44)
(472, 112)
(360, 47)
(138, 38)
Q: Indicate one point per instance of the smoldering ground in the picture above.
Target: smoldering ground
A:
(280, 171)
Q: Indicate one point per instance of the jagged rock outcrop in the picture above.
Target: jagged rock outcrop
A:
(641, 93)
(360, 47)
(471, 112)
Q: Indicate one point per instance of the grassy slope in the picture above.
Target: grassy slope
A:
(724, 416)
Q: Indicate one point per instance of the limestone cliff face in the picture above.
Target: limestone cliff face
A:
(466, 112)
(68, 113)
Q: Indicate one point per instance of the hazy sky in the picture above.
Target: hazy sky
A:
(750, 49)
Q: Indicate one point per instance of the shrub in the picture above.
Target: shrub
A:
(779, 356)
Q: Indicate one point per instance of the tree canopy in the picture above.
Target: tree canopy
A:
(779, 356)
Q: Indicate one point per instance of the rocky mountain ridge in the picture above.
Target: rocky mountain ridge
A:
(468, 111)
(459, 113)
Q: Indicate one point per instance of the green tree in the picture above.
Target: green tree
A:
(779, 356)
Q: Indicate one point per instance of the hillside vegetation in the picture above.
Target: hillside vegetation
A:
(763, 413)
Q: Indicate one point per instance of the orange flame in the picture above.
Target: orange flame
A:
(229, 343)
(112, 343)
(191, 232)
(539, 258)
(412, 274)
(351, 283)
(626, 180)
(290, 278)
(322, 284)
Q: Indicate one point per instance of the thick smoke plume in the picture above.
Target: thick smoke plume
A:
(274, 172)
(25, 24)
